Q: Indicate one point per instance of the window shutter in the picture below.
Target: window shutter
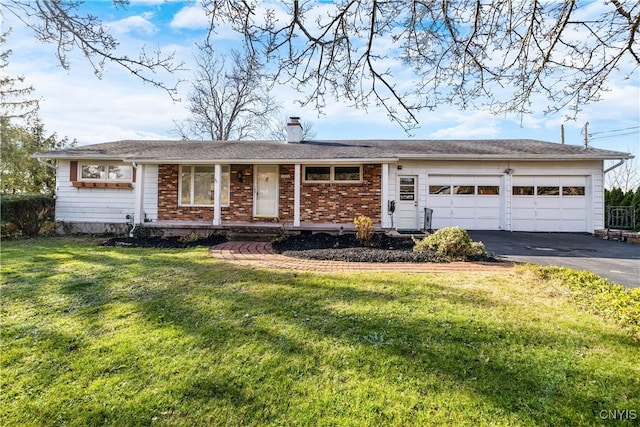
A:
(73, 172)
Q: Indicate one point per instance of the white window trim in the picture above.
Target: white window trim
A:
(332, 174)
(106, 165)
(225, 169)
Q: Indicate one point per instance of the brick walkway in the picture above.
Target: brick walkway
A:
(260, 254)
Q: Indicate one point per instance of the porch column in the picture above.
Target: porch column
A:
(296, 195)
(217, 189)
(384, 221)
(138, 204)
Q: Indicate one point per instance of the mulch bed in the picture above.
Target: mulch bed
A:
(319, 246)
(347, 247)
(164, 242)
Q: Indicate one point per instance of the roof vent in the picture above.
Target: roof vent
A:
(294, 130)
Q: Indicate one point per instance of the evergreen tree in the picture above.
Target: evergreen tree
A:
(19, 172)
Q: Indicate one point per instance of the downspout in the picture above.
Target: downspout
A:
(604, 175)
(49, 165)
(620, 163)
(132, 216)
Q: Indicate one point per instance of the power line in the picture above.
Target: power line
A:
(612, 136)
(614, 130)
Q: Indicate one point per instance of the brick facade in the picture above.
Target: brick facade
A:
(319, 202)
(341, 203)
(168, 209)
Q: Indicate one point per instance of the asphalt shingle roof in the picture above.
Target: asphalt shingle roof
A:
(307, 151)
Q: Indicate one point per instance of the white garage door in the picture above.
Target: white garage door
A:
(470, 202)
(549, 203)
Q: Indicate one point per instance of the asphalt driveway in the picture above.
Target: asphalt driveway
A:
(616, 261)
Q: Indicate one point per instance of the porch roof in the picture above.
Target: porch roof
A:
(144, 151)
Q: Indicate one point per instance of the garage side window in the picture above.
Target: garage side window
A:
(522, 190)
(488, 190)
(548, 191)
(439, 189)
(573, 191)
(464, 189)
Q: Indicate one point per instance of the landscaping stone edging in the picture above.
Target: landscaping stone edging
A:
(262, 255)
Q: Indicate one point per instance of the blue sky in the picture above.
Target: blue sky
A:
(77, 104)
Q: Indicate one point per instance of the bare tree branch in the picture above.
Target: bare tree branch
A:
(15, 97)
(228, 101)
(58, 23)
(500, 54)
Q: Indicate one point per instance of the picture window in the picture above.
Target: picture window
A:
(105, 172)
(197, 185)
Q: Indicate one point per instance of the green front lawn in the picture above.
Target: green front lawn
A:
(112, 336)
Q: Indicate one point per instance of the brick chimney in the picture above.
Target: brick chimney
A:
(294, 130)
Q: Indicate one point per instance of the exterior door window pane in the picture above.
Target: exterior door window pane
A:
(407, 188)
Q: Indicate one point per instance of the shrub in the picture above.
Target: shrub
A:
(452, 243)
(142, 232)
(364, 228)
(28, 212)
(599, 296)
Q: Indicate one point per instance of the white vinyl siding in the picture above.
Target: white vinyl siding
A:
(150, 207)
(94, 205)
(576, 213)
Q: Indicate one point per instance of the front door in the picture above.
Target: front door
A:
(407, 207)
(265, 200)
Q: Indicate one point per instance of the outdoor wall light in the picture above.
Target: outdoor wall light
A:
(240, 176)
(508, 171)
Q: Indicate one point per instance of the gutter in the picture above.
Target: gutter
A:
(347, 161)
(42, 162)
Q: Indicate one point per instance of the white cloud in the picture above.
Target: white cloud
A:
(138, 24)
(190, 17)
(147, 2)
(468, 125)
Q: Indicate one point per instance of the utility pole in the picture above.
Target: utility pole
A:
(562, 134)
(586, 135)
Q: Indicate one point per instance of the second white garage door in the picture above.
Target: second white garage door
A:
(470, 202)
(549, 203)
